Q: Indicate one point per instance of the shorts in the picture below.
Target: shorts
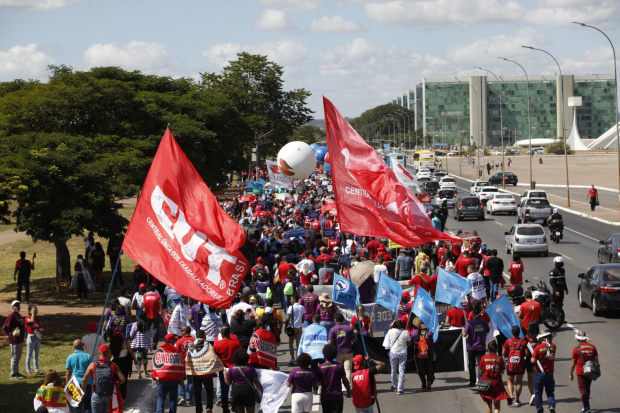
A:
(301, 402)
(514, 374)
(142, 353)
(243, 395)
(529, 366)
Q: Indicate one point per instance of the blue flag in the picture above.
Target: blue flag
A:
(389, 292)
(424, 307)
(451, 288)
(345, 291)
(313, 339)
(503, 315)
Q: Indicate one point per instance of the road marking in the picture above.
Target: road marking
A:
(573, 327)
(316, 403)
(583, 235)
(566, 256)
(499, 223)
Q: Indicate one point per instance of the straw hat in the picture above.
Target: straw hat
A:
(418, 324)
(324, 298)
(361, 272)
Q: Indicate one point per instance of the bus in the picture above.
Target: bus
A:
(425, 160)
(394, 158)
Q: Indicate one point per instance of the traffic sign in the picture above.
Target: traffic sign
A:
(480, 153)
(425, 198)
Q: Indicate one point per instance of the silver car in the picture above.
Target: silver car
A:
(527, 238)
(533, 209)
(486, 193)
(448, 195)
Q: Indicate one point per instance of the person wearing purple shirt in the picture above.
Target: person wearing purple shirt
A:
(196, 314)
(242, 392)
(301, 379)
(331, 377)
(261, 284)
(343, 336)
(475, 332)
(310, 301)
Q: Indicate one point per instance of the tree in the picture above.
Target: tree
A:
(557, 148)
(308, 134)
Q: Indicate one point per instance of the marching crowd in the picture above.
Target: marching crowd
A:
(293, 244)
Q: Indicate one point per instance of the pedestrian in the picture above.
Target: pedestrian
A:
(514, 351)
(543, 359)
(531, 340)
(33, 341)
(15, 328)
(211, 324)
(243, 378)
(122, 356)
(76, 365)
(310, 302)
(197, 382)
(196, 314)
(168, 373)
(186, 393)
(331, 376)
(81, 278)
(138, 299)
(124, 301)
(326, 274)
(592, 197)
(398, 339)
(529, 311)
(225, 348)
(583, 353)
(488, 168)
(364, 385)
(456, 317)
(477, 283)
(138, 278)
(243, 328)
(301, 379)
(23, 268)
(141, 339)
(151, 305)
(263, 347)
(51, 394)
(92, 340)
(105, 377)
(343, 337)
(380, 267)
(496, 271)
(363, 319)
(492, 366)
(516, 268)
(509, 161)
(327, 309)
(424, 352)
(475, 332)
(97, 258)
(404, 265)
(113, 251)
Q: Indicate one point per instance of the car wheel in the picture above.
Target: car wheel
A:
(507, 250)
(580, 298)
(596, 311)
(515, 184)
(492, 212)
(598, 258)
(546, 253)
(518, 220)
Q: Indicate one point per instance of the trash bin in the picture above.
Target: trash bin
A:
(533, 184)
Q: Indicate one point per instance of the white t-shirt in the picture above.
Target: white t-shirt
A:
(298, 320)
(378, 270)
(239, 306)
(477, 285)
(139, 299)
(91, 340)
(398, 340)
(306, 261)
(125, 302)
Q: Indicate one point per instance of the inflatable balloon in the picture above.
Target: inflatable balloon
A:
(326, 158)
(296, 160)
(321, 151)
(314, 145)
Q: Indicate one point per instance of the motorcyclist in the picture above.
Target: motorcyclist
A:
(557, 279)
(555, 221)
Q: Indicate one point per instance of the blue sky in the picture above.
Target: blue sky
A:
(358, 53)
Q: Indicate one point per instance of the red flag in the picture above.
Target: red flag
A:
(181, 235)
(371, 200)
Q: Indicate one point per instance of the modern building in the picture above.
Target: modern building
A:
(476, 109)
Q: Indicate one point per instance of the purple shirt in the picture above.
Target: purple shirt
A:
(330, 375)
(327, 313)
(234, 376)
(198, 314)
(301, 379)
(476, 330)
(261, 286)
(341, 335)
(365, 290)
(310, 302)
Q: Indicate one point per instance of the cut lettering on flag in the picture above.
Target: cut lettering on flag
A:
(451, 288)
(313, 339)
(345, 291)
(503, 315)
(370, 199)
(276, 177)
(424, 307)
(389, 292)
(181, 235)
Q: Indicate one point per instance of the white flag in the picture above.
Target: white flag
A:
(276, 177)
(275, 390)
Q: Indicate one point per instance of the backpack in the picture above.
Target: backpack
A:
(516, 361)
(422, 347)
(24, 269)
(327, 278)
(102, 382)
(288, 288)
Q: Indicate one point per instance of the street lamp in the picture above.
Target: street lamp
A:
(257, 143)
(529, 125)
(616, 80)
(562, 115)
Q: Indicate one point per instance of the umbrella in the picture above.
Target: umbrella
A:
(261, 214)
(361, 272)
(301, 188)
(295, 233)
(247, 198)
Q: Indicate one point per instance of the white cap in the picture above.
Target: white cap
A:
(14, 302)
(268, 310)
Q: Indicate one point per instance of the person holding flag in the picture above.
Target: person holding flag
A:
(364, 386)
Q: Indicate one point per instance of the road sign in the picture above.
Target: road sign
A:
(480, 153)
(425, 198)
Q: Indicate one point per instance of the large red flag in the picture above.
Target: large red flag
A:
(181, 235)
(370, 199)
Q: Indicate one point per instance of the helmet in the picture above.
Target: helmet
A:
(555, 210)
(558, 260)
(581, 336)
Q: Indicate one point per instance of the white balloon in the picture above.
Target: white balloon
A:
(296, 160)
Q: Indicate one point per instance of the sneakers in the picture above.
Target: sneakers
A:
(292, 362)
(218, 402)
(181, 401)
(17, 377)
(532, 400)
(552, 409)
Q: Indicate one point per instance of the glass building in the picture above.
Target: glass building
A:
(476, 109)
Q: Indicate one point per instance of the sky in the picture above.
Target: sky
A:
(357, 53)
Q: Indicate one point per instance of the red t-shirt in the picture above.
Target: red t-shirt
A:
(34, 326)
(547, 361)
(328, 224)
(461, 265)
(372, 247)
(283, 270)
(477, 258)
(588, 351)
(484, 264)
(515, 343)
(592, 193)
(492, 366)
(530, 310)
(183, 344)
(365, 323)
(323, 257)
(420, 281)
(306, 279)
(316, 226)
(386, 256)
(225, 348)
(483, 315)
(151, 305)
(432, 286)
(457, 318)
(516, 273)
(331, 244)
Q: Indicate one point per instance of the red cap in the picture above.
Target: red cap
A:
(357, 361)
(104, 348)
(141, 286)
(259, 259)
(91, 327)
(170, 337)
(406, 294)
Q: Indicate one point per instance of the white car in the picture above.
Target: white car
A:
(486, 193)
(534, 194)
(502, 203)
(447, 183)
(476, 186)
(495, 153)
(526, 238)
(423, 174)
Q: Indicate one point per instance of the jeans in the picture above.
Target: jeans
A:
(207, 383)
(332, 406)
(33, 345)
(306, 323)
(23, 282)
(263, 297)
(494, 290)
(187, 392)
(85, 403)
(167, 388)
(153, 324)
(16, 355)
(473, 358)
(100, 404)
(328, 325)
(544, 381)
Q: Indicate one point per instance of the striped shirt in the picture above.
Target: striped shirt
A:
(140, 340)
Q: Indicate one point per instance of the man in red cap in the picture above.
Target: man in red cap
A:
(168, 370)
(92, 340)
(324, 256)
(363, 386)
(106, 377)
(259, 268)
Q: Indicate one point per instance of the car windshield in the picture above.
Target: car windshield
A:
(481, 183)
(612, 275)
(432, 183)
(538, 195)
(509, 174)
(540, 203)
(447, 180)
(446, 194)
(503, 197)
(490, 190)
(537, 230)
(470, 202)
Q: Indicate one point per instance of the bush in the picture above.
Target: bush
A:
(557, 148)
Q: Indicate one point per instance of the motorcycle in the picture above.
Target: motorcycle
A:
(552, 315)
(556, 232)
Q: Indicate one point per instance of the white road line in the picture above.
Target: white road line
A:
(499, 223)
(583, 235)
(566, 256)
(316, 403)
(573, 327)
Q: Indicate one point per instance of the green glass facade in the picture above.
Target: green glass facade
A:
(447, 110)
(597, 114)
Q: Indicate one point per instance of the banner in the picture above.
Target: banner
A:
(262, 349)
(424, 307)
(329, 232)
(228, 194)
(389, 292)
(503, 315)
(451, 288)
(275, 390)
(254, 187)
(370, 199)
(181, 235)
(313, 214)
(202, 362)
(276, 177)
(167, 365)
(380, 317)
(405, 176)
(345, 291)
(313, 339)
(73, 392)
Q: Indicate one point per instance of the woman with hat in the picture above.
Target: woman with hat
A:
(424, 351)
(492, 367)
(327, 309)
(122, 355)
(581, 354)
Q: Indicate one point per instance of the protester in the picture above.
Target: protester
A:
(51, 394)
(514, 350)
(461, 264)
(362, 318)
(92, 340)
(475, 332)
(141, 338)
(211, 324)
(455, 317)
(124, 301)
(81, 279)
(492, 367)
(343, 337)
(529, 311)
(97, 261)
(243, 378)
(152, 305)
(196, 314)
(583, 353)
(263, 348)
(477, 283)
(327, 309)
(592, 197)
(33, 341)
(113, 251)
(543, 359)
(23, 268)
(168, 373)
(294, 326)
(496, 271)
(364, 386)
(15, 329)
(106, 376)
(398, 339)
(122, 356)
(243, 328)
(225, 348)
(310, 302)
(313, 339)
(138, 299)
(532, 341)
(424, 351)
(516, 268)
(76, 365)
(326, 274)
(331, 376)
(301, 379)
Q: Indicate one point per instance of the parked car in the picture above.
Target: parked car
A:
(439, 174)
(495, 153)
(431, 187)
(609, 251)
(534, 194)
(469, 207)
(487, 193)
(526, 238)
(502, 203)
(448, 195)
(473, 190)
(454, 153)
(447, 183)
(510, 178)
(423, 174)
(599, 288)
(533, 209)
(539, 150)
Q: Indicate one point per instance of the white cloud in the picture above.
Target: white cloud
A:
(335, 24)
(25, 62)
(276, 20)
(284, 52)
(136, 55)
(293, 5)
(37, 5)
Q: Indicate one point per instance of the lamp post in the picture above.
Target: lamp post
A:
(404, 125)
(616, 81)
(257, 143)
(529, 125)
(562, 115)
